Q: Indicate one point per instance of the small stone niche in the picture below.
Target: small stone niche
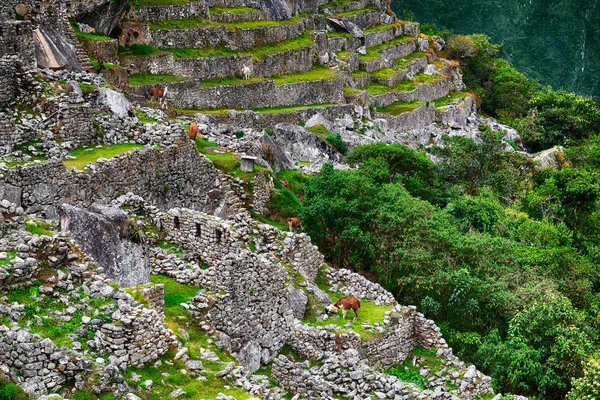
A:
(247, 163)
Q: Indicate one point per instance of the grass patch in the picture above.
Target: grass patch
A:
(368, 311)
(11, 391)
(401, 63)
(233, 10)
(400, 107)
(201, 143)
(146, 78)
(6, 261)
(375, 52)
(402, 86)
(266, 110)
(295, 181)
(144, 118)
(444, 101)
(317, 73)
(336, 4)
(407, 372)
(139, 50)
(39, 227)
(368, 8)
(163, 2)
(179, 24)
(230, 164)
(175, 294)
(261, 23)
(88, 36)
(83, 156)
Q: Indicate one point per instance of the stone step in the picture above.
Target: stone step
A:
(201, 33)
(288, 57)
(320, 85)
(236, 14)
(191, 10)
(82, 57)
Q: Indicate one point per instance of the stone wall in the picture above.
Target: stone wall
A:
(167, 176)
(154, 295)
(262, 184)
(77, 124)
(188, 94)
(16, 38)
(105, 50)
(209, 237)
(192, 10)
(9, 90)
(216, 35)
(259, 121)
(137, 337)
(37, 364)
(281, 63)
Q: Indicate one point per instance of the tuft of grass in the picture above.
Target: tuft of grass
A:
(233, 10)
(179, 24)
(146, 78)
(365, 10)
(444, 101)
(83, 156)
(88, 36)
(402, 86)
(407, 372)
(400, 107)
(375, 52)
(39, 227)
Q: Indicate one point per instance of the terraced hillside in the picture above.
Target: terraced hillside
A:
(330, 55)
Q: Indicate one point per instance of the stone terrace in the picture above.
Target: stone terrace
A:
(307, 59)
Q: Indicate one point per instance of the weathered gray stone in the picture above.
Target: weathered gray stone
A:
(105, 235)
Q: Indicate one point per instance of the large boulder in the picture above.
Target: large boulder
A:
(104, 233)
(10, 193)
(54, 50)
(102, 15)
(113, 101)
(301, 145)
(275, 156)
(342, 24)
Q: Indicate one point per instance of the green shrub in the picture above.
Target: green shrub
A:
(406, 375)
(335, 140)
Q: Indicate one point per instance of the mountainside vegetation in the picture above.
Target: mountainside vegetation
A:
(501, 254)
(552, 41)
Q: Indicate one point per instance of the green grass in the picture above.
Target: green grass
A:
(163, 2)
(179, 24)
(375, 52)
(11, 255)
(403, 86)
(401, 63)
(233, 10)
(83, 157)
(368, 311)
(11, 391)
(296, 181)
(261, 23)
(266, 110)
(40, 228)
(88, 36)
(139, 50)
(168, 376)
(317, 73)
(400, 107)
(350, 91)
(201, 143)
(336, 3)
(407, 372)
(146, 78)
(368, 8)
(319, 130)
(144, 118)
(444, 101)
(258, 53)
(381, 27)
(230, 163)
(282, 226)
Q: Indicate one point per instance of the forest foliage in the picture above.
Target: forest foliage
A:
(505, 257)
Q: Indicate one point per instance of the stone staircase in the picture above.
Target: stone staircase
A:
(82, 56)
(199, 51)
